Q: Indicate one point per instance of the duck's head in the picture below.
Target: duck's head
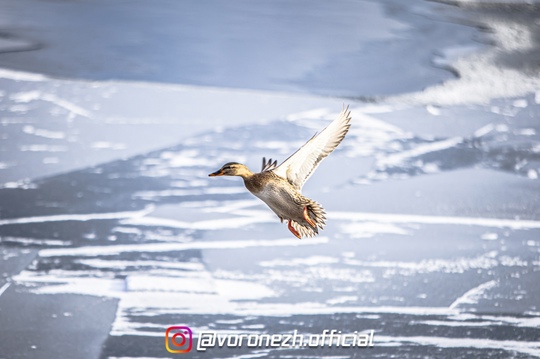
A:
(232, 169)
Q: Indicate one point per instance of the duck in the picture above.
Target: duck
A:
(280, 187)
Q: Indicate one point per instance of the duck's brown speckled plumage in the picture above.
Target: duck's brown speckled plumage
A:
(286, 201)
(280, 186)
(256, 183)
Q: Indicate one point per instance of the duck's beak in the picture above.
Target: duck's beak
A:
(217, 173)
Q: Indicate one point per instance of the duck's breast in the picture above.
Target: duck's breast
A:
(282, 199)
(261, 185)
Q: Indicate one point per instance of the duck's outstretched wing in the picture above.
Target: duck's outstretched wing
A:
(301, 164)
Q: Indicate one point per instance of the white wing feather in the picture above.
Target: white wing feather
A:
(301, 164)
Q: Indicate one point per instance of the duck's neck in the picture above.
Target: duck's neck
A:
(245, 173)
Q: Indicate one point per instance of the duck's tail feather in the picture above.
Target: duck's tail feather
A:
(317, 215)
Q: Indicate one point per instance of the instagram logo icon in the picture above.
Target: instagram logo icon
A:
(181, 339)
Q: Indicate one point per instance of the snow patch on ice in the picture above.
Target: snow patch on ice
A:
(4, 165)
(293, 262)
(318, 113)
(473, 295)
(456, 265)
(24, 97)
(512, 346)
(77, 217)
(123, 264)
(481, 77)
(34, 241)
(399, 158)
(4, 288)
(50, 160)
(43, 148)
(189, 192)
(240, 290)
(370, 229)
(102, 145)
(43, 133)
(341, 300)
(21, 76)
(408, 219)
(91, 251)
(489, 236)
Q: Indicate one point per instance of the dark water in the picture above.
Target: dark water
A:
(342, 48)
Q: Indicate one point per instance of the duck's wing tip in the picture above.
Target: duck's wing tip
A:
(268, 166)
(300, 165)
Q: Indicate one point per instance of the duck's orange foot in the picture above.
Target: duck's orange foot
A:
(308, 219)
(293, 231)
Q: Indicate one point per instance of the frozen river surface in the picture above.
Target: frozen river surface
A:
(111, 231)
